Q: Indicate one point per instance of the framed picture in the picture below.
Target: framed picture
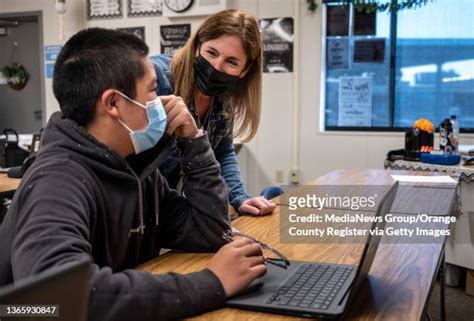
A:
(277, 43)
(369, 51)
(103, 9)
(337, 21)
(136, 31)
(365, 23)
(174, 37)
(138, 8)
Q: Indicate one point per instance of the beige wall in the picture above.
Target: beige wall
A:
(272, 149)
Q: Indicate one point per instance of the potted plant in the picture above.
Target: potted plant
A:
(16, 75)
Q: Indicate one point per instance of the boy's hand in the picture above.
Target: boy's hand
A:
(237, 264)
(180, 121)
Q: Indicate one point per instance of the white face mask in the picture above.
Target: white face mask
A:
(145, 139)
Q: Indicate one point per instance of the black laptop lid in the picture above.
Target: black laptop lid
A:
(65, 286)
(373, 241)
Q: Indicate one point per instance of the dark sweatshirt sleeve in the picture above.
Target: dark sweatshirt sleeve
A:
(52, 226)
(225, 155)
(197, 220)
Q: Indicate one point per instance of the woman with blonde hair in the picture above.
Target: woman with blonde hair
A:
(218, 74)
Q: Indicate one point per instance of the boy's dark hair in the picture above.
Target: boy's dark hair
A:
(92, 61)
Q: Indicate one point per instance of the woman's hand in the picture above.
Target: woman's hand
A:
(256, 206)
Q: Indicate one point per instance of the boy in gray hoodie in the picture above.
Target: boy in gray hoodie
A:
(93, 190)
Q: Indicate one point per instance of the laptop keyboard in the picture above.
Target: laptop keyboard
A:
(311, 286)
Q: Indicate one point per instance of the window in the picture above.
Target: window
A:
(385, 70)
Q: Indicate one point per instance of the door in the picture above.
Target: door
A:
(20, 42)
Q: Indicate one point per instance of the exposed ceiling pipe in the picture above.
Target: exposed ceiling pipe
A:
(295, 170)
(61, 9)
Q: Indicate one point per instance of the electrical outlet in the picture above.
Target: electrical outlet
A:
(294, 176)
(279, 176)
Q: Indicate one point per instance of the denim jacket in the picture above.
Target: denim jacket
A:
(219, 129)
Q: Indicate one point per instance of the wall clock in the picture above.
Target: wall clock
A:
(178, 5)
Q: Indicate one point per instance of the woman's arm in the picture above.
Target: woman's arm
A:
(238, 198)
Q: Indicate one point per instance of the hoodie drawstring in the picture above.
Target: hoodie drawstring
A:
(157, 208)
(141, 227)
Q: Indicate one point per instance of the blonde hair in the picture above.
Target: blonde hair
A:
(243, 104)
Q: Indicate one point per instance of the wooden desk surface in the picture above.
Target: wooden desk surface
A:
(399, 283)
(8, 184)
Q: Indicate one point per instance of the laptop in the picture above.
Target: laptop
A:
(311, 289)
(63, 291)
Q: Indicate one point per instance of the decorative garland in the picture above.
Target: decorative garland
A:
(374, 5)
(17, 76)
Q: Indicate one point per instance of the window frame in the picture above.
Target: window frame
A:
(391, 84)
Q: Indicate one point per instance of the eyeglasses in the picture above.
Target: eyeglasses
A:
(268, 252)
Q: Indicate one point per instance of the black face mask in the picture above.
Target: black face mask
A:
(210, 80)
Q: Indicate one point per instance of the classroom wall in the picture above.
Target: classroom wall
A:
(273, 148)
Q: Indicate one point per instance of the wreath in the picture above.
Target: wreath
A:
(17, 76)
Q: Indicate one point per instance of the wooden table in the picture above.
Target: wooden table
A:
(399, 284)
(460, 246)
(8, 185)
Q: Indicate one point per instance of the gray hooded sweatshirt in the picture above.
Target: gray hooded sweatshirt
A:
(81, 197)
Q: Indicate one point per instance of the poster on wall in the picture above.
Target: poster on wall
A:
(174, 37)
(277, 42)
(355, 101)
(369, 51)
(100, 9)
(365, 23)
(137, 31)
(337, 21)
(338, 53)
(50, 55)
(139, 8)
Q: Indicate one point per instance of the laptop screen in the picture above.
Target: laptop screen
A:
(62, 291)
